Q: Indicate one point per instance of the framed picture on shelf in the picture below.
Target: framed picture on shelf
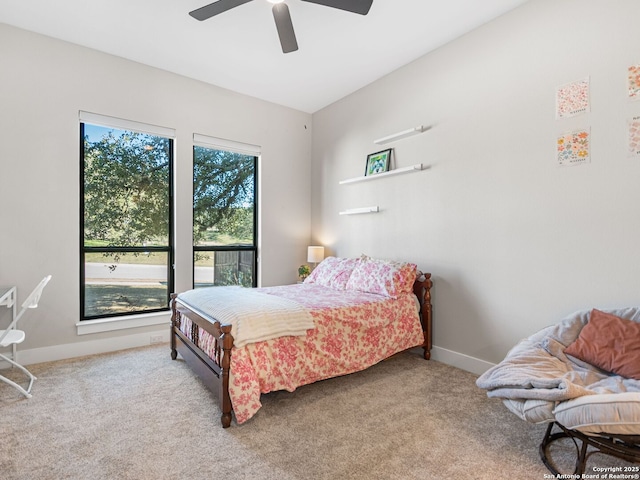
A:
(378, 162)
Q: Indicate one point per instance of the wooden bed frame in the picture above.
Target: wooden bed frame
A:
(214, 372)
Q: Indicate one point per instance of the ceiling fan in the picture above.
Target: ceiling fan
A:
(281, 15)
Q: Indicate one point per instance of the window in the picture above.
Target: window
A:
(224, 214)
(126, 222)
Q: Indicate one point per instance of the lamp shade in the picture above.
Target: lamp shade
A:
(315, 254)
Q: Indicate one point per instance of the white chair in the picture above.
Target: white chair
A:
(13, 336)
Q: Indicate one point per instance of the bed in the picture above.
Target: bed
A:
(348, 315)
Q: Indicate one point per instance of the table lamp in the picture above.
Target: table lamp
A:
(315, 255)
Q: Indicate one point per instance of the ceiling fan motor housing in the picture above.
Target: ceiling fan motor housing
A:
(281, 15)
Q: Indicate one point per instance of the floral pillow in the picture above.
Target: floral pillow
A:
(382, 277)
(333, 272)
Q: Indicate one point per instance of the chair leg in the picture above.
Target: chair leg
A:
(626, 447)
(27, 392)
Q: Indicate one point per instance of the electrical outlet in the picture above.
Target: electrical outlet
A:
(156, 339)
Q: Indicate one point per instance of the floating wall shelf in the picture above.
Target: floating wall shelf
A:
(400, 135)
(357, 211)
(413, 168)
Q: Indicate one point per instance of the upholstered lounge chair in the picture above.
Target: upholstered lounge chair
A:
(582, 377)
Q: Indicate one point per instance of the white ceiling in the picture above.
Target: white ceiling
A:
(339, 52)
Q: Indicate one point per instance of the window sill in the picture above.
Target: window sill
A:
(121, 323)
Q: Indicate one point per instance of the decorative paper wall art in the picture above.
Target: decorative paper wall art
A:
(634, 136)
(573, 148)
(572, 99)
(634, 82)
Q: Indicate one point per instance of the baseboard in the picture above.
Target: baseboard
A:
(460, 360)
(91, 347)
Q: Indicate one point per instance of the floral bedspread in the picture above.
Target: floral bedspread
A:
(354, 331)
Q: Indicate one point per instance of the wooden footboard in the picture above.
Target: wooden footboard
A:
(214, 370)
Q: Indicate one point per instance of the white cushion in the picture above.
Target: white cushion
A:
(614, 413)
(532, 411)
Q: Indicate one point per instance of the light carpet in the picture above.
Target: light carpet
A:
(136, 414)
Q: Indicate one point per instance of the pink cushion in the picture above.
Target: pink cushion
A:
(382, 277)
(610, 343)
(333, 272)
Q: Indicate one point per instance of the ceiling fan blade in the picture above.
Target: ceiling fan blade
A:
(285, 28)
(356, 6)
(215, 8)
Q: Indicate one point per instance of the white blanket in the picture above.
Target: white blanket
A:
(537, 368)
(253, 316)
(537, 371)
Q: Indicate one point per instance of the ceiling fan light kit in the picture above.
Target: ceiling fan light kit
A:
(281, 15)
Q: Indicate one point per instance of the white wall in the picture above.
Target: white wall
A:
(43, 85)
(514, 241)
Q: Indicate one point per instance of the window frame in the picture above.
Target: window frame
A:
(169, 249)
(212, 143)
